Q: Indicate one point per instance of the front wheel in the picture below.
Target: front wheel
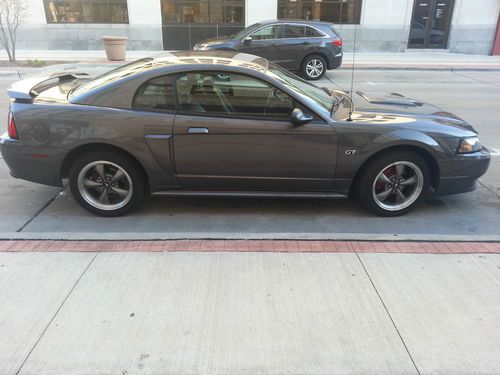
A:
(314, 67)
(106, 183)
(394, 184)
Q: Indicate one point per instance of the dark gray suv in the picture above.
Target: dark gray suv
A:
(307, 46)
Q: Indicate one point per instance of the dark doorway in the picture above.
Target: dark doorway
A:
(430, 24)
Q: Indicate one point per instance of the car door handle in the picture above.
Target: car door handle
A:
(197, 130)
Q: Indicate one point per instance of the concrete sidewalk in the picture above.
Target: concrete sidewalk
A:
(248, 313)
(411, 60)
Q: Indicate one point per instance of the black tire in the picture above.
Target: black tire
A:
(367, 187)
(132, 182)
(310, 60)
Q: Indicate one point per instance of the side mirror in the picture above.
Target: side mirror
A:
(300, 118)
(247, 40)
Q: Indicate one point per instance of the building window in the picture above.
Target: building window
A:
(337, 11)
(203, 11)
(86, 11)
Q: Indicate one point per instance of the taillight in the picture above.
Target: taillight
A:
(12, 127)
(338, 42)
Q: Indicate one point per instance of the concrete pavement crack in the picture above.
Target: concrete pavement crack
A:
(487, 188)
(476, 80)
(57, 312)
(335, 84)
(388, 314)
(47, 204)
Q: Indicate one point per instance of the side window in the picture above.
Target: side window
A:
(312, 32)
(293, 31)
(155, 95)
(268, 32)
(231, 94)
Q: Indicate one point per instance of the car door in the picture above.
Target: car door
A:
(233, 131)
(262, 42)
(295, 43)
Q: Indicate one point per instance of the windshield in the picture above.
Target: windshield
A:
(303, 87)
(245, 31)
(113, 75)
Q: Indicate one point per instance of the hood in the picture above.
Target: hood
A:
(213, 41)
(397, 104)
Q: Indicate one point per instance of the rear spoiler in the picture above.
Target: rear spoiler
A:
(28, 89)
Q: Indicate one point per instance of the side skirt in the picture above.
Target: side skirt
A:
(251, 194)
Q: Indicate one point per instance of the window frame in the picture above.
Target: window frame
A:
(277, 35)
(281, 31)
(305, 25)
(45, 4)
(295, 102)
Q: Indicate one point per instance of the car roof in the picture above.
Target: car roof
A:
(210, 57)
(305, 22)
(105, 89)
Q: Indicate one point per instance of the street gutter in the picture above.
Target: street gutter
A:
(118, 236)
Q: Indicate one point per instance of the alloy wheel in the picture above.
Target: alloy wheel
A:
(398, 186)
(314, 68)
(105, 185)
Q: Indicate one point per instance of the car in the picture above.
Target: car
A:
(219, 123)
(309, 47)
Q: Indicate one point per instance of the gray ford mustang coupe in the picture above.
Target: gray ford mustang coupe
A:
(226, 123)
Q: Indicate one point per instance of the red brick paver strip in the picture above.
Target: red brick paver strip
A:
(284, 246)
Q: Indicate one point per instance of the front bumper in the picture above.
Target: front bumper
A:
(459, 175)
(32, 163)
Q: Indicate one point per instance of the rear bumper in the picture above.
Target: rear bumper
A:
(335, 61)
(459, 175)
(32, 163)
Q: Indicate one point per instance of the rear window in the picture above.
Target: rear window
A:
(312, 32)
(293, 31)
(113, 75)
(156, 95)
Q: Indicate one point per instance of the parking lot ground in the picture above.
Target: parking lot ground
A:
(246, 313)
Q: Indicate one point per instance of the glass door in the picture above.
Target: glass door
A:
(430, 25)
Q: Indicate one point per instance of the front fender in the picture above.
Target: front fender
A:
(352, 157)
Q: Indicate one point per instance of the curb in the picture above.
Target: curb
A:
(362, 237)
(423, 68)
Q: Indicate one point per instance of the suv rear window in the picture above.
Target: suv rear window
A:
(312, 32)
(293, 31)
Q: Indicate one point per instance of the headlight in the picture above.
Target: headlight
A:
(469, 145)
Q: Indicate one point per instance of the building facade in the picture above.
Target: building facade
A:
(459, 26)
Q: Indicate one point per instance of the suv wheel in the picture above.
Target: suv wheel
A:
(314, 67)
(394, 184)
(106, 183)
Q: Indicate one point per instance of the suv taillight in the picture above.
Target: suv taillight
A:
(338, 42)
(12, 127)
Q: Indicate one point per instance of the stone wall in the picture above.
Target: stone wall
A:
(87, 36)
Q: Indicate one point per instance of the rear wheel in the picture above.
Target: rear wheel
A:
(394, 184)
(314, 67)
(106, 183)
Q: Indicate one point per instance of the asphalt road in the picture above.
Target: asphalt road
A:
(33, 210)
